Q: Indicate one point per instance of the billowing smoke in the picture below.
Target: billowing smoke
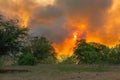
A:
(49, 21)
(59, 20)
(93, 14)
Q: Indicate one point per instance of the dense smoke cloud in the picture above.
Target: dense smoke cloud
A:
(55, 31)
(44, 15)
(97, 16)
(49, 21)
(93, 12)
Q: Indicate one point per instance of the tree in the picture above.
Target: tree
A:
(90, 52)
(11, 36)
(41, 48)
(102, 49)
(114, 55)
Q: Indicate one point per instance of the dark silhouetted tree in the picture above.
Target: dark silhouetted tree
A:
(11, 36)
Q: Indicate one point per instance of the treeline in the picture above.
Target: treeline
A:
(23, 49)
(96, 53)
(20, 47)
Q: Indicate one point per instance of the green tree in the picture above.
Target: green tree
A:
(102, 50)
(90, 52)
(114, 55)
(41, 48)
(26, 59)
(11, 36)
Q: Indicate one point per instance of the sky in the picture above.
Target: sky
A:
(64, 21)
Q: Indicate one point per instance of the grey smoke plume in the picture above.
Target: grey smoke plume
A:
(51, 19)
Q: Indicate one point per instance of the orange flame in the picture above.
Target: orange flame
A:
(66, 48)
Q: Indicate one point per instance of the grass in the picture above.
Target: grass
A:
(55, 71)
(84, 68)
(66, 68)
(72, 69)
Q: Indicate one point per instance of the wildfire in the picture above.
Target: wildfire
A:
(66, 48)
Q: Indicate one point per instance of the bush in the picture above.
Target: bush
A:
(69, 60)
(91, 53)
(26, 59)
(41, 48)
(114, 56)
(49, 60)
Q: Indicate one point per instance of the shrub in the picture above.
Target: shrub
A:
(114, 56)
(91, 53)
(49, 60)
(69, 60)
(26, 59)
(41, 48)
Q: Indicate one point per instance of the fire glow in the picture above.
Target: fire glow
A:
(75, 36)
(65, 21)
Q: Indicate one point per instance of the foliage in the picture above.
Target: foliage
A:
(102, 50)
(50, 60)
(90, 52)
(70, 60)
(41, 48)
(114, 55)
(26, 59)
(11, 36)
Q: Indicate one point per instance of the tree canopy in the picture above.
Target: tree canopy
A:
(41, 48)
(11, 36)
(90, 52)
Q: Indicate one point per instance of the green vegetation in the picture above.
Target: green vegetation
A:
(15, 42)
(26, 59)
(11, 37)
(41, 48)
(114, 55)
(95, 53)
(83, 69)
(69, 60)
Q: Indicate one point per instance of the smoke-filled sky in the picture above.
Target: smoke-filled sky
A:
(59, 20)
